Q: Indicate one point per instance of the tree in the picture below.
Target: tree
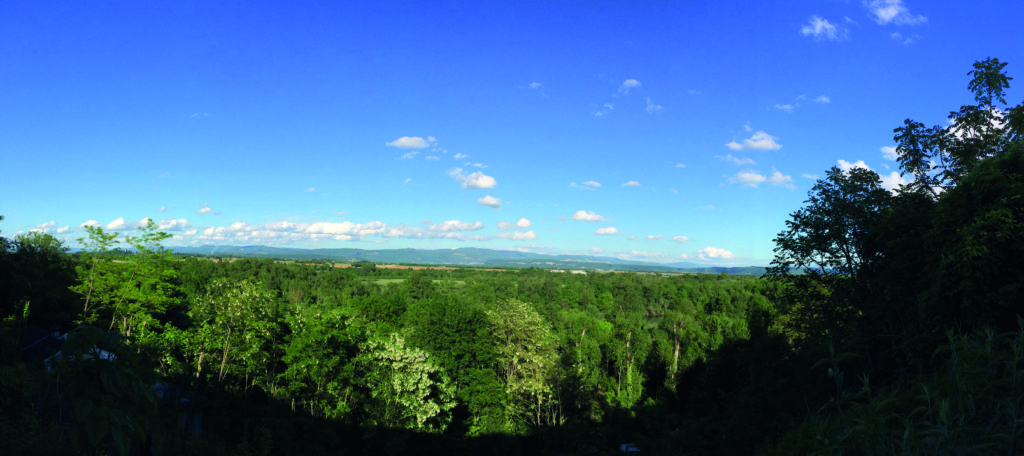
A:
(827, 245)
(408, 389)
(238, 316)
(940, 157)
(526, 356)
(130, 288)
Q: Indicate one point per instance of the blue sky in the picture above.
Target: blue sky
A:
(655, 130)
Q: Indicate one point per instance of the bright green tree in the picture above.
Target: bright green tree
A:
(526, 359)
(129, 287)
(407, 389)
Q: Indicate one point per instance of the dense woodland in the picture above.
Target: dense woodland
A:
(888, 324)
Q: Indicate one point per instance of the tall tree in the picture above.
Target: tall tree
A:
(939, 157)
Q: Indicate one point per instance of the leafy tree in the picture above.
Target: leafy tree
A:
(131, 288)
(526, 357)
(827, 245)
(238, 316)
(940, 157)
(319, 356)
(407, 388)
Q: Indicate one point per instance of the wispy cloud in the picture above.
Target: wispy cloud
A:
(821, 29)
(737, 161)
(892, 11)
(581, 187)
(607, 230)
(631, 184)
(628, 85)
(889, 153)
(653, 107)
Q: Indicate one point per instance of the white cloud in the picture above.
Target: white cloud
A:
(680, 165)
(822, 29)
(631, 184)
(607, 230)
(592, 184)
(782, 180)
(204, 210)
(162, 209)
(431, 139)
(409, 142)
(810, 176)
(173, 224)
(892, 181)
(711, 252)
(518, 236)
(823, 99)
(589, 216)
(489, 201)
(680, 239)
(409, 155)
(758, 141)
(889, 152)
(673, 191)
(748, 178)
(43, 227)
(120, 224)
(684, 256)
(631, 237)
(653, 107)
(886, 11)
(784, 107)
(431, 158)
(737, 161)
(594, 250)
(653, 237)
(535, 86)
(907, 40)
(343, 228)
(847, 166)
(628, 85)
(523, 223)
(506, 225)
(456, 225)
(311, 189)
(340, 213)
(63, 229)
(89, 223)
(474, 180)
(461, 156)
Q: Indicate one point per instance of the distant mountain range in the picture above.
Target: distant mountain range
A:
(469, 256)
